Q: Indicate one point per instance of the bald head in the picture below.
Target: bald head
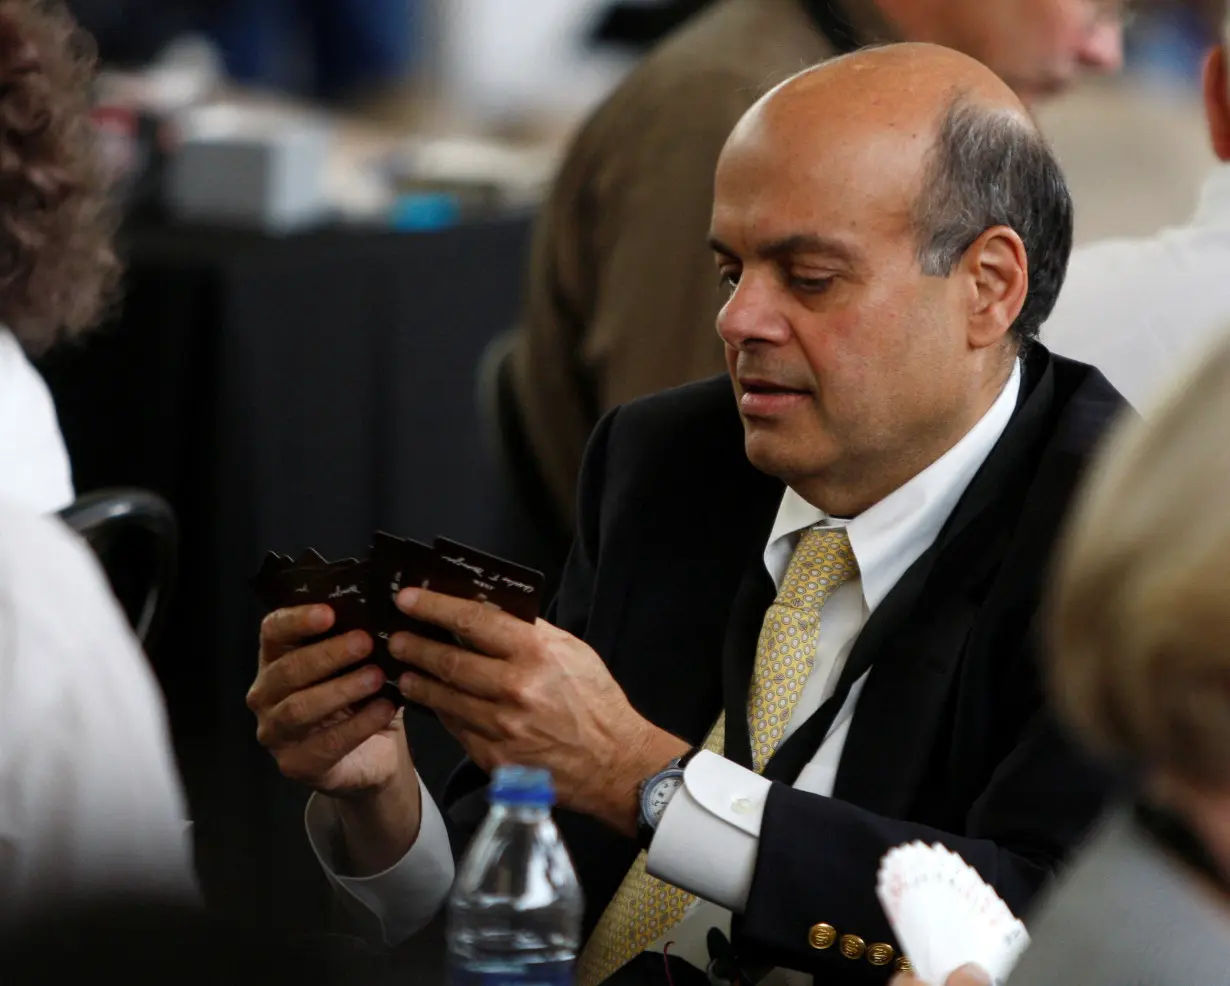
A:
(897, 87)
(939, 133)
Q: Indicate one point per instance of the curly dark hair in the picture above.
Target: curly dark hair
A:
(58, 267)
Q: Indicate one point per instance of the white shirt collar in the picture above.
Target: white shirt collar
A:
(890, 536)
(1214, 208)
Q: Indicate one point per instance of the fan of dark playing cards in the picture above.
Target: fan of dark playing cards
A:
(362, 592)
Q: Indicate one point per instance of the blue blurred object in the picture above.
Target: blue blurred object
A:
(425, 211)
(1167, 44)
(329, 49)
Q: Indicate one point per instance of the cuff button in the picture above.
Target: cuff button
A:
(852, 946)
(880, 953)
(822, 936)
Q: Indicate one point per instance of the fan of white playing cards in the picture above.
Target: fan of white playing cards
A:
(945, 916)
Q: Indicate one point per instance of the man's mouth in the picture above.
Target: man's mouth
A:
(766, 398)
(759, 386)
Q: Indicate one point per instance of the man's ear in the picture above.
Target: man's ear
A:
(1217, 101)
(997, 269)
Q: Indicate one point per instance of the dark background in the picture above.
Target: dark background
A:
(283, 393)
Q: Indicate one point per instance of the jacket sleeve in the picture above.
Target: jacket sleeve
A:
(819, 857)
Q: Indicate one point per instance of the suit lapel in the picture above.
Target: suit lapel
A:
(753, 599)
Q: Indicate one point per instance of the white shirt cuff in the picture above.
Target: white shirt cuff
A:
(403, 899)
(709, 835)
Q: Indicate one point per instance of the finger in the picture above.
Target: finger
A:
(488, 627)
(478, 748)
(300, 712)
(322, 751)
(284, 629)
(470, 713)
(476, 674)
(307, 666)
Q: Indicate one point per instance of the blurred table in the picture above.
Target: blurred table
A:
(285, 393)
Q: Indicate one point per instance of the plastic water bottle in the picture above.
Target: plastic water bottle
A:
(515, 910)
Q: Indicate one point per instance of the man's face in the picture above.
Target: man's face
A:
(1039, 47)
(847, 359)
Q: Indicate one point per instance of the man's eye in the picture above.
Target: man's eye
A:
(811, 285)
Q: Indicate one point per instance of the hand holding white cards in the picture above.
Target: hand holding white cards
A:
(945, 916)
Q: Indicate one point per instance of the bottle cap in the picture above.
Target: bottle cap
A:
(521, 786)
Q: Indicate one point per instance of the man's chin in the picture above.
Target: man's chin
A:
(777, 457)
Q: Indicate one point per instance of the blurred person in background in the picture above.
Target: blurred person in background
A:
(621, 296)
(57, 266)
(1139, 665)
(91, 799)
(1138, 308)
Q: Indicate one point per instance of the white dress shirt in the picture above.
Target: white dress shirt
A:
(708, 838)
(1140, 310)
(90, 799)
(34, 469)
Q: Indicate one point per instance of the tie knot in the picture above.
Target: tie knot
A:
(822, 561)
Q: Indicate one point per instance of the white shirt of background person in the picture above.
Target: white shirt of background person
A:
(90, 799)
(1140, 310)
(34, 466)
(708, 838)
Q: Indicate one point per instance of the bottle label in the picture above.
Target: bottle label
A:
(532, 974)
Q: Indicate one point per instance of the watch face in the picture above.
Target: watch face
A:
(659, 795)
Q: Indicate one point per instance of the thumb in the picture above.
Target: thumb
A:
(970, 975)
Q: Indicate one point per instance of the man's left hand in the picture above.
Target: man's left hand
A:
(535, 696)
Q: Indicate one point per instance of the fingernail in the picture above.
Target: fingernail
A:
(397, 645)
(319, 617)
(373, 678)
(975, 973)
(405, 684)
(407, 598)
(357, 644)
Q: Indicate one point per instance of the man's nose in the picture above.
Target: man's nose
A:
(752, 314)
(1102, 49)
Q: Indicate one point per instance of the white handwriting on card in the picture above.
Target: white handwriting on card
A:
(350, 590)
(514, 584)
(462, 563)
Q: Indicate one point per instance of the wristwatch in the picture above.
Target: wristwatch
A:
(656, 793)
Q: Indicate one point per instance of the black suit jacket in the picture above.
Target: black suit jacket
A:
(949, 742)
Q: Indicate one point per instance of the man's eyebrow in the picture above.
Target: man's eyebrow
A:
(790, 245)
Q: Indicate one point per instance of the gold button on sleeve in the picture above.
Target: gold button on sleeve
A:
(822, 936)
(903, 965)
(852, 946)
(880, 953)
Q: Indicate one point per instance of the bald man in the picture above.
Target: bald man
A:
(797, 627)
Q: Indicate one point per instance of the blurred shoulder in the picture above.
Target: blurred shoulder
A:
(691, 90)
(56, 606)
(1122, 881)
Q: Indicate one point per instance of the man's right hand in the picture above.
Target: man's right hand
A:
(308, 721)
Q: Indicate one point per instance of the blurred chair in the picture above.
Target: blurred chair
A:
(529, 530)
(134, 534)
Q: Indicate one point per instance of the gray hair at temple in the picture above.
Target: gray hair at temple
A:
(992, 168)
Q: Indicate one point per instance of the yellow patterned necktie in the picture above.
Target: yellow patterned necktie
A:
(644, 908)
